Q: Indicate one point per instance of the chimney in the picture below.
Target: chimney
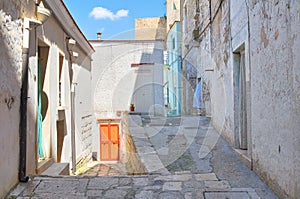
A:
(99, 35)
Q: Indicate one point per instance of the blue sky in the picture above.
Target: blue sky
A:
(114, 18)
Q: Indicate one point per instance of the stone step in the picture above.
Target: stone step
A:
(57, 169)
(43, 165)
(243, 154)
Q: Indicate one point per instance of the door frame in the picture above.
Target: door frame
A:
(241, 138)
(111, 144)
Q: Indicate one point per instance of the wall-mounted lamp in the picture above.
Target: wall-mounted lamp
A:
(74, 55)
(71, 43)
(42, 15)
(42, 12)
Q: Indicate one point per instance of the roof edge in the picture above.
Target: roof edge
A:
(129, 40)
(69, 25)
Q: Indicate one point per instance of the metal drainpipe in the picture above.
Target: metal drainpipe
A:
(23, 99)
(73, 144)
(23, 117)
(73, 129)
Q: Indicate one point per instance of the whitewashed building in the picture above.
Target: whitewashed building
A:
(247, 50)
(46, 57)
(126, 72)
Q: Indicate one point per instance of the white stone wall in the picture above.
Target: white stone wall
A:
(76, 78)
(115, 84)
(190, 49)
(196, 51)
(10, 86)
(222, 86)
(275, 91)
(83, 108)
(52, 35)
(239, 31)
(115, 81)
(267, 33)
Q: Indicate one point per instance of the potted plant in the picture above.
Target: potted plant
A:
(131, 107)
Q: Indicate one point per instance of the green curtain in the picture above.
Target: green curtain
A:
(40, 117)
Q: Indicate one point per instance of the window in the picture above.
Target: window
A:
(240, 99)
(173, 43)
(174, 6)
(185, 20)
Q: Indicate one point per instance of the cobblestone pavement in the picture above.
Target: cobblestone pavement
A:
(180, 185)
(184, 157)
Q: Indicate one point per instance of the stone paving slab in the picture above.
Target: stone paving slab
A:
(178, 177)
(227, 195)
(221, 185)
(206, 177)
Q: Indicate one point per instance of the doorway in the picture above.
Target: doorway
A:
(44, 159)
(109, 142)
(240, 99)
(43, 103)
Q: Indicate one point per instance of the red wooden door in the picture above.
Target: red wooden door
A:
(109, 142)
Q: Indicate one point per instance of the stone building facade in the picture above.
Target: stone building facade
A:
(45, 104)
(195, 58)
(275, 90)
(150, 28)
(126, 72)
(173, 12)
(246, 52)
(172, 68)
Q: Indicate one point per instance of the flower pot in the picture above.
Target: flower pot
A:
(132, 108)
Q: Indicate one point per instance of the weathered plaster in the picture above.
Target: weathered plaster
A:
(275, 111)
(222, 90)
(10, 86)
(53, 36)
(267, 33)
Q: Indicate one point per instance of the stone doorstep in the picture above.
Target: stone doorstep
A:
(57, 169)
(233, 193)
(176, 177)
(243, 155)
(44, 165)
(225, 195)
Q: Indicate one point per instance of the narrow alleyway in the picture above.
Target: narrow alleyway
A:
(184, 158)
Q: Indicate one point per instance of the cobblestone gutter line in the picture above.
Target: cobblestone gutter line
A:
(181, 185)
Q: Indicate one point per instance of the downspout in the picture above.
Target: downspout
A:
(23, 99)
(23, 102)
(73, 142)
(44, 13)
(23, 116)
